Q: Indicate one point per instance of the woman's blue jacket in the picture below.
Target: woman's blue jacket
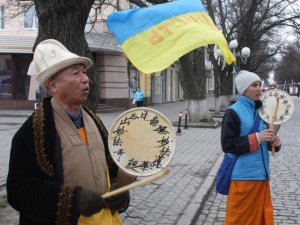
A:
(251, 165)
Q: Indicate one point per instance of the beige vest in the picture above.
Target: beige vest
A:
(83, 165)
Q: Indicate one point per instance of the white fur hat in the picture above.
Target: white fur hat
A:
(244, 79)
(50, 57)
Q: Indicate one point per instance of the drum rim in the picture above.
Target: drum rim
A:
(172, 134)
(289, 100)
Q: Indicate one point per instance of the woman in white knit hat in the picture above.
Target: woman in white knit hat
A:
(246, 136)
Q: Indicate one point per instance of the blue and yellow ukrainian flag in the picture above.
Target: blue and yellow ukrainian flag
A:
(154, 37)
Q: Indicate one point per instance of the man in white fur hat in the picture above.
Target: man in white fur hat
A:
(59, 164)
(245, 135)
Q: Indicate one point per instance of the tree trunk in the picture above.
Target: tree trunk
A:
(193, 83)
(198, 110)
(218, 104)
(226, 79)
(225, 101)
(217, 71)
(65, 21)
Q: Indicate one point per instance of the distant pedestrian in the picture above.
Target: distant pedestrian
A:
(249, 199)
(139, 97)
(272, 85)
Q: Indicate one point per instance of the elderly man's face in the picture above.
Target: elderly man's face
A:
(70, 86)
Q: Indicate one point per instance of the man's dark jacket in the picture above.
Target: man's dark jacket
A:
(35, 185)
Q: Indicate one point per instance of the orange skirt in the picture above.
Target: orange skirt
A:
(249, 203)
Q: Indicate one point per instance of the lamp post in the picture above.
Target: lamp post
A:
(243, 55)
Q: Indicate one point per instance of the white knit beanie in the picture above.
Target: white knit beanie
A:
(244, 79)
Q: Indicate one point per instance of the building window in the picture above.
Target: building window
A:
(2, 17)
(163, 75)
(14, 81)
(133, 80)
(30, 18)
(103, 25)
(211, 83)
(88, 26)
(5, 77)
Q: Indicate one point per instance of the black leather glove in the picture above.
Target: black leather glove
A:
(89, 202)
(119, 202)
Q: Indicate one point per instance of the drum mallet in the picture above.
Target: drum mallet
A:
(272, 123)
(139, 183)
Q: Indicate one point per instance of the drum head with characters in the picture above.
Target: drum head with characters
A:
(269, 103)
(142, 141)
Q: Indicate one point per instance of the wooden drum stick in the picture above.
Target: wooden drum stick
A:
(140, 183)
(272, 123)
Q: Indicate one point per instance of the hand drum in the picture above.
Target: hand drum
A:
(141, 141)
(273, 112)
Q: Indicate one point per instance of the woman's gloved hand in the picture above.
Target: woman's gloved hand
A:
(90, 202)
(119, 202)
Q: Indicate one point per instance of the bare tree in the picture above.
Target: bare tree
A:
(193, 83)
(255, 24)
(287, 69)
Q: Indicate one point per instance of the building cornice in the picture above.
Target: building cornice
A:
(16, 44)
(98, 42)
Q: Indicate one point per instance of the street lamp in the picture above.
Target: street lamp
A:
(218, 56)
(243, 55)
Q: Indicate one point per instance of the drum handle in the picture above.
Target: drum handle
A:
(272, 123)
(140, 183)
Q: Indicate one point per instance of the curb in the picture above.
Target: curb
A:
(213, 124)
(190, 214)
